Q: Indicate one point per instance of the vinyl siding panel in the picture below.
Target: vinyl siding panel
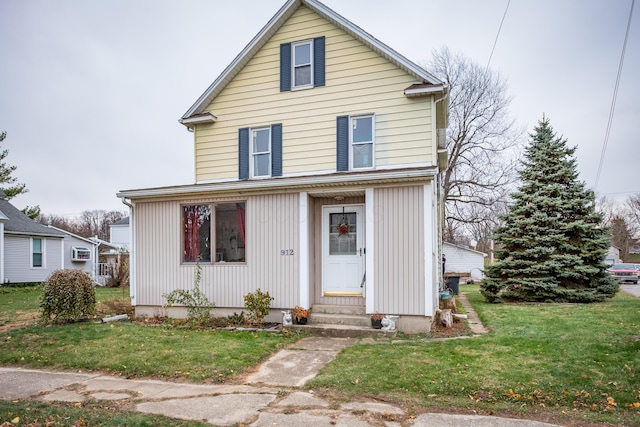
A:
(17, 262)
(399, 250)
(270, 228)
(86, 266)
(357, 81)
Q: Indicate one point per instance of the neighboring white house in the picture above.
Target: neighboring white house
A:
(613, 256)
(120, 235)
(463, 260)
(30, 251)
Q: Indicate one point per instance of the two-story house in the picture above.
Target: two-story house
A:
(316, 179)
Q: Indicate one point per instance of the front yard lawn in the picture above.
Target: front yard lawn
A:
(569, 364)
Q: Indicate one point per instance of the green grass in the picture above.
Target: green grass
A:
(21, 305)
(577, 362)
(136, 350)
(25, 413)
(564, 357)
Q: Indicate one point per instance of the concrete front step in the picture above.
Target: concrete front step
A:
(342, 331)
(339, 319)
(352, 310)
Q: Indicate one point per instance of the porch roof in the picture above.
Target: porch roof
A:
(327, 184)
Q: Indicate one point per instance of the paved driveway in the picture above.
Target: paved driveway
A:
(631, 289)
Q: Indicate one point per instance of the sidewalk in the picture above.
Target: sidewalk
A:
(270, 396)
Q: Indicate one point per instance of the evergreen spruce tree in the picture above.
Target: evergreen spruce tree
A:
(552, 244)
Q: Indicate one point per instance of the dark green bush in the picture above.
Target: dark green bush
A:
(68, 296)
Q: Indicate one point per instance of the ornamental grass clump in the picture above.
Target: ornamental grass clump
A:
(194, 300)
(68, 297)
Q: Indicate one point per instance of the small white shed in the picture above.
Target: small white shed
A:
(467, 262)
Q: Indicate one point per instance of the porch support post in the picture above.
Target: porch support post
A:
(429, 251)
(303, 248)
(2, 220)
(369, 237)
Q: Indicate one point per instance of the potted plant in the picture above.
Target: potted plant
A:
(300, 315)
(376, 320)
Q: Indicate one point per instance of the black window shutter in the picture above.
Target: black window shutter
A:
(285, 67)
(276, 149)
(243, 153)
(318, 61)
(342, 132)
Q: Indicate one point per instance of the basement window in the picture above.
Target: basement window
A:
(80, 254)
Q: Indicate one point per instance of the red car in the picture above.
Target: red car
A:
(624, 272)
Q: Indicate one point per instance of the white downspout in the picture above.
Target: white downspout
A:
(132, 251)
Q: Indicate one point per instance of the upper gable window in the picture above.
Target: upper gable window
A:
(302, 64)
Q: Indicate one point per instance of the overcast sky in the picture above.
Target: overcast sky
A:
(91, 91)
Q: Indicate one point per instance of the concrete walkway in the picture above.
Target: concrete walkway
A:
(270, 396)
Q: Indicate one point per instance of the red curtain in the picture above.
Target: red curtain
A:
(241, 222)
(191, 234)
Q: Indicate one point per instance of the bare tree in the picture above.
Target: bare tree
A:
(620, 235)
(481, 139)
(633, 210)
(89, 224)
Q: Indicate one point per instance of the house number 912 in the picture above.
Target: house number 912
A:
(286, 252)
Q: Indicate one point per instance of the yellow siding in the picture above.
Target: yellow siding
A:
(357, 81)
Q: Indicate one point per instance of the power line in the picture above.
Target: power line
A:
(495, 42)
(615, 96)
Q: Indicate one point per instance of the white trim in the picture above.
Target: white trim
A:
(205, 118)
(429, 253)
(293, 64)
(252, 154)
(373, 142)
(425, 90)
(303, 249)
(369, 199)
(132, 255)
(42, 252)
(1, 250)
(62, 254)
(327, 210)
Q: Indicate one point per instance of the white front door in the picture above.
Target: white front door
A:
(342, 250)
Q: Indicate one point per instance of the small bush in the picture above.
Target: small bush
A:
(118, 275)
(68, 296)
(258, 304)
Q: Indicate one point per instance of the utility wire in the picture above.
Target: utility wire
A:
(495, 42)
(615, 96)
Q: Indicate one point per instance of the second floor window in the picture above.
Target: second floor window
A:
(261, 152)
(302, 66)
(362, 142)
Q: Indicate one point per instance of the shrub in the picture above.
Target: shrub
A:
(196, 302)
(68, 296)
(118, 275)
(258, 304)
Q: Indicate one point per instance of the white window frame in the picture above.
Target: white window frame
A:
(78, 252)
(42, 252)
(293, 64)
(253, 154)
(372, 142)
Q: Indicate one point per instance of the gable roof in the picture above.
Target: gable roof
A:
(18, 223)
(463, 248)
(274, 25)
